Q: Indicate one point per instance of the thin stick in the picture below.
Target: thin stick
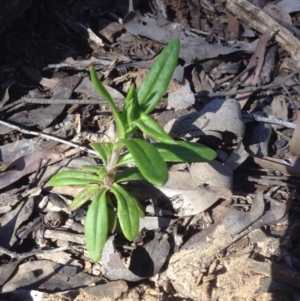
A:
(60, 102)
(238, 77)
(46, 136)
(291, 100)
(255, 89)
(286, 124)
(37, 252)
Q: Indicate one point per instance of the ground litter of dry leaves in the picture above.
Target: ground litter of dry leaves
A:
(223, 230)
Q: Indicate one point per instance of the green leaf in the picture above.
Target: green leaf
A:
(131, 93)
(83, 196)
(156, 83)
(127, 114)
(104, 93)
(96, 226)
(74, 177)
(185, 152)
(182, 151)
(129, 174)
(104, 150)
(130, 107)
(99, 170)
(151, 128)
(112, 215)
(125, 158)
(90, 168)
(128, 212)
(139, 208)
(148, 160)
(102, 173)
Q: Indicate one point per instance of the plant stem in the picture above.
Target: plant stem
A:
(113, 160)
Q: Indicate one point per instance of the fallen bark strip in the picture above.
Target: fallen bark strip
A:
(275, 272)
(256, 18)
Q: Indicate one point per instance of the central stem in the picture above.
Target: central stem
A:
(113, 160)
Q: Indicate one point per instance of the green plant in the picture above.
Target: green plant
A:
(111, 202)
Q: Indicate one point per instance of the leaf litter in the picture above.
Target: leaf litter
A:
(224, 229)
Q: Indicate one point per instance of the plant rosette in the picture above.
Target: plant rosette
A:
(104, 185)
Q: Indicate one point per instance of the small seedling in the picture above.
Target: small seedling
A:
(104, 185)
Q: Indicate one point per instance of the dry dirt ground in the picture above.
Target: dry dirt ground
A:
(224, 230)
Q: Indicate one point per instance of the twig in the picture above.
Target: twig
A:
(238, 77)
(291, 100)
(59, 101)
(275, 84)
(271, 182)
(286, 124)
(290, 27)
(37, 252)
(46, 136)
(65, 236)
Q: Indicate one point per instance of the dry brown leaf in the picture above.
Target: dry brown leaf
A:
(281, 165)
(30, 163)
(257, 59)
(87, 87)
(233, 26)
(237, 221)
(187, 199)
(295, 141)
(145, 261)
(12, 220)
(220, 118)
(46, 275)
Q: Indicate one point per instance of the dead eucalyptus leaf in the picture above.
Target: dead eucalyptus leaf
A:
(87, 87)
(260, 138)
(193, 47)
(47, 275)
(11, 151)
(212, 173)
(145, 261)
(274, 214)
(281, 165)
(250, 78)
(237, 221)
(108, 291)
(31, 163)
(220, 118)
(11, 221)
(237, 157)
(155, 222)
(6, 270)
(295, 141)
(44, 116)
(187, 199)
